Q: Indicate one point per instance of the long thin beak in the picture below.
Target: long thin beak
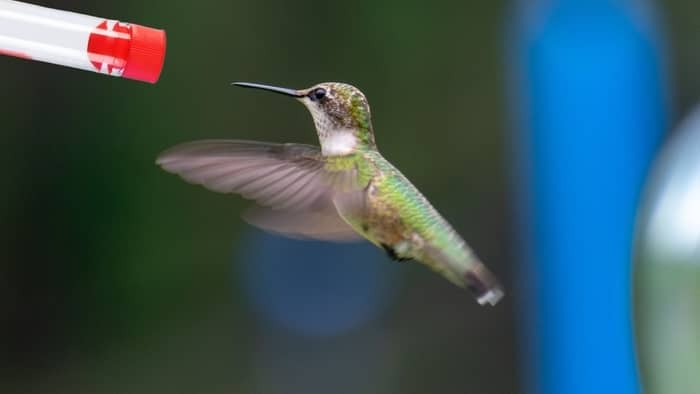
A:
(285, 91)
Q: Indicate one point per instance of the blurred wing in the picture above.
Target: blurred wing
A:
(289, 179)
(325, 225)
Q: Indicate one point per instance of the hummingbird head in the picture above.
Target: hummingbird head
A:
(340, 112)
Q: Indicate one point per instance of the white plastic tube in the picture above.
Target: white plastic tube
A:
(81, 41)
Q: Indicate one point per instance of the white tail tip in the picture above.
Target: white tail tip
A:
(491, 297)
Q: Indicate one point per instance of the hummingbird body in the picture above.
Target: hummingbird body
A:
(345, 189)
(399, 219)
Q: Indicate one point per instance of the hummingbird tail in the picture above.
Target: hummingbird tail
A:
(465, 270)
(483, 284)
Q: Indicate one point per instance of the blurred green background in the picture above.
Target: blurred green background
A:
(116, 277)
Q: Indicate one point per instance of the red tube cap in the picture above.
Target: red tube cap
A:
(147, 54)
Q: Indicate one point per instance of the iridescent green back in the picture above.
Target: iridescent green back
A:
(413, 208)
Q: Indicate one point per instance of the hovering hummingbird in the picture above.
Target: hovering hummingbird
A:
(341, 191)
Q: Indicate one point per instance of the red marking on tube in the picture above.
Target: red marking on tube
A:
(21, 55)
(109, 47)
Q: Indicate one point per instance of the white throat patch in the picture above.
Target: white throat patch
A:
(338, 143)
(334, 141)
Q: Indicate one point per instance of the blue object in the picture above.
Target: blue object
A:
(588, 92)
(313, 288)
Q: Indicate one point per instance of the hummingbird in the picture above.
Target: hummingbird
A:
(344, 190)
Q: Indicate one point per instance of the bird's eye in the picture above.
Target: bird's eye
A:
(317, 94)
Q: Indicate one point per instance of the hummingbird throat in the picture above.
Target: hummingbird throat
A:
(338, 142)
(336, 139)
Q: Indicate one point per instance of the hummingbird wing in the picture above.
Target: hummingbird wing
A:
(325, 225)
(290, 182)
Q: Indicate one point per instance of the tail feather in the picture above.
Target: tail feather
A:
(465, 270)
(483, 285)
